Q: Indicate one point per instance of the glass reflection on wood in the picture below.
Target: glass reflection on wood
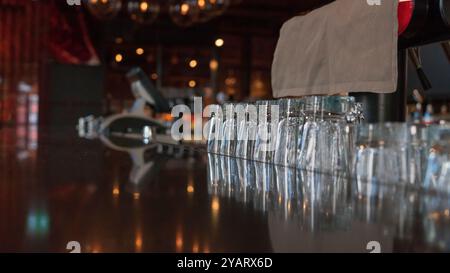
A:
(333, 206)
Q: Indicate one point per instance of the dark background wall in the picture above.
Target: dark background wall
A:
(437, 67)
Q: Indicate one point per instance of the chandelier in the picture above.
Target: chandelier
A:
(183, 13)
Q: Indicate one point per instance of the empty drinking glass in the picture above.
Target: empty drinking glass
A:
(214, 130)
(418, 139)
(326, 137)
(229, 131)
(382, 153)
(286, 144)
(438, 164)
(247, 129)
(268, 116)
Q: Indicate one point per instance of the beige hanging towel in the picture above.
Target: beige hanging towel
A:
(345, 46)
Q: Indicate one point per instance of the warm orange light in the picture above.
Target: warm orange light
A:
(136, 196)
(219, 42)
(184, 9)
(215, 205)
(140, 51)
(206, 249)
(96, 248)
(116, 191)
(104, 1)
(118, 58)
(192, 84)
(230, 81)
(213, 65)
(201, 4)
(138, 243)
(434, 215)
(193, 63)
(195, 247)
(154, 76)
(143, 6)
(179, 241)
(167, 117)
(190, 189)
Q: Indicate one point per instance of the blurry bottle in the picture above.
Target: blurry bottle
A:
(444, 114)
(444, 109)
(417, 114)
(428, 117)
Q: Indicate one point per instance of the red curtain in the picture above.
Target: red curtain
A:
(23, 36)
(32, 33)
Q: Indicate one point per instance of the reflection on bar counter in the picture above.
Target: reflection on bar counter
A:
(298, 202)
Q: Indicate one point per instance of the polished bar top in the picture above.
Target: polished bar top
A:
(112, 195)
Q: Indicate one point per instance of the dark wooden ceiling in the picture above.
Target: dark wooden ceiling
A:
(280, 5)
(260, 17)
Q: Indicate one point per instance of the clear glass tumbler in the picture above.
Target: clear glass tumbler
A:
(268, 117)
(286, 144)
(437, 174)
(326, 137)
(228, 131)
(382, 153)
(214, 130)
(418, 139)
(247, 125)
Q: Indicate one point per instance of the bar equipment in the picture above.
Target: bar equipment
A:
(421, 22)
(414, 55)
(429, 22)
(134, 123)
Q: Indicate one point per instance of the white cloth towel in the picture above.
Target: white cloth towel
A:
(345, 46)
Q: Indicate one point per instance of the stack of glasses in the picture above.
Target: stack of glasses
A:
(312, 133)
(323, 134)
(404, 154)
